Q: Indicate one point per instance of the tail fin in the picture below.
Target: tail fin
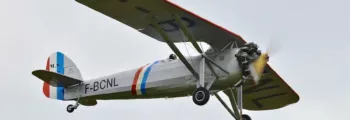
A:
(61, 64)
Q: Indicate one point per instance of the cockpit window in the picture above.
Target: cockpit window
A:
(172, 57)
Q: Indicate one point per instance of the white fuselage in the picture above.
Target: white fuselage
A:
(164, 78)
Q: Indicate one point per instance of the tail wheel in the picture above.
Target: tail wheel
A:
(201, 96)
(70, 108)
(246, 117)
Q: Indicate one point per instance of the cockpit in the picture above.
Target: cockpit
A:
(172, 57)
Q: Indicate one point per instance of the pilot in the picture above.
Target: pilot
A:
(172, 57)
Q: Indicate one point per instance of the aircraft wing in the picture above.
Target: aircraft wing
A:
(271, 93)
(139, 14)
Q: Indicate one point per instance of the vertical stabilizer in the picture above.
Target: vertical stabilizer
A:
(61, 64)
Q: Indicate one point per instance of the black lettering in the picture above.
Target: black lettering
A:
(258, 104)
(259, 88)
(174, 26)
(109, 83)
(114, 82)
(86, 87)
(104, 85)
(95, 86)
(190, 22)
(54, 65)
(123, 1)
(142, 9)
(261, 83)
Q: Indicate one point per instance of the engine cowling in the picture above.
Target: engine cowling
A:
(251, 61)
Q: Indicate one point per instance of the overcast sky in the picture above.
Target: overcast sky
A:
(313, 59)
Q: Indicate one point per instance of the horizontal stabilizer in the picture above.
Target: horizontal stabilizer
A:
(55, 79)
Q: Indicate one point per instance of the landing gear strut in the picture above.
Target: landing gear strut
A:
(201, 95)
(71, 108)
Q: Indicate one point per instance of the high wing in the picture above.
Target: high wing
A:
(139, 14)
(271, 93)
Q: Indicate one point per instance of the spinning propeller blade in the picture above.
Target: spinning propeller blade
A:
(274, 46)
(257, 67)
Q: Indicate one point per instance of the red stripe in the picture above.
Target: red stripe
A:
(46, 87)
(133, 87)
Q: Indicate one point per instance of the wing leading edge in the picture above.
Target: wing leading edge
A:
(138, 15)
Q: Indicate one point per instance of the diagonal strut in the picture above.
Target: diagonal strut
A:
(194, 43)
(174, 48)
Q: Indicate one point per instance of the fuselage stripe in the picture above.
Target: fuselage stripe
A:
(145, 76)
(139, 80)
(53, 63)
(133, 87)
(60, 70)
(46, 87)
(139, 83)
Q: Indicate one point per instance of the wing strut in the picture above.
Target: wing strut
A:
(235, 103)
(200, 79)
(187, 33)
(174, 48)
(195, 44)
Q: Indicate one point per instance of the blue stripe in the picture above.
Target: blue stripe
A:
(144, 79)
(60, 70)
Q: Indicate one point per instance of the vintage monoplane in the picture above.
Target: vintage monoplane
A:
(231, 65)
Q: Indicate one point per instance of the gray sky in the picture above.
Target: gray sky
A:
(313, 58)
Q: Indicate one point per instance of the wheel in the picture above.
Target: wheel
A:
(246, 117)
(201, 96)
(70, 108)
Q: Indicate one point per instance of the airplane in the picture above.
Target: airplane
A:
(231, 65)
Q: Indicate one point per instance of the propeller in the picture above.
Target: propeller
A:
(256, 68)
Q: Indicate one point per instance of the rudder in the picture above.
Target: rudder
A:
(61, 64)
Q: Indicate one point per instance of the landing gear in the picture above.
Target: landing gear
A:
(201, 96)
(71, 108)
(246, 117)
